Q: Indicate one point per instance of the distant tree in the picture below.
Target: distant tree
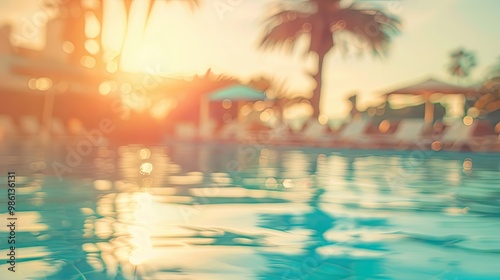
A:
(494, 70)
(281, 95)
(462, 62)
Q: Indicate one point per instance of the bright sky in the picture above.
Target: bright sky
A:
(178, 41)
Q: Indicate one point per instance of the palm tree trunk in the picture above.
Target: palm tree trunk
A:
(316, 97)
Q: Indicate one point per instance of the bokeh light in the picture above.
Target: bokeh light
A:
(264, 116)
(259, 106)
(88, 61)
(144, 153)
(467, 165)
(323, 119)
(226, 104)
(105, 88)
(436, 146)
(146, 168)
(468, 120)
(384, 126)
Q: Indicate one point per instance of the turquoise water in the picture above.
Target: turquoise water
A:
(247, 212)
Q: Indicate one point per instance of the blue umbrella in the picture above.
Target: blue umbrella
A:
(234, 93)
(237, 93)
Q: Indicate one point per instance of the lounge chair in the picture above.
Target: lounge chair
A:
(409, 133)
(75, 127)
(495, 143)
(58, 128)
(313, 133)
(495, 138)
(7, 127)
(352, 135)
(207, 130)
(281, 134)
(460, 137)
(30, 125)
(234, 131)
(185, 131)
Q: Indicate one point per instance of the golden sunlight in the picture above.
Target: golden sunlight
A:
(92, 25)
(153, 45)
(113, 28)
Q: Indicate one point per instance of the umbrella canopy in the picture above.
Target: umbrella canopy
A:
(431, 86)
(237, 93)
(427, 88)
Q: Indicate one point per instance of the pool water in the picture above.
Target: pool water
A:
(192, 211)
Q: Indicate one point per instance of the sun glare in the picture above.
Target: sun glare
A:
(162, 44)
(92, 46)
(113, 28)
(92, 25)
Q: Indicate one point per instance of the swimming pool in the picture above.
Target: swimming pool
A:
(192, 211)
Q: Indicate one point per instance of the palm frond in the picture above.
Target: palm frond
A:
(128, 3)
(371, 26)
(284, 16)
(285, 28)
(321, 35)
(462, 62)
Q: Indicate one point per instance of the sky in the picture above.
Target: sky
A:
(177, 41)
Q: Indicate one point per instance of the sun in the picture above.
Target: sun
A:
(164, 43)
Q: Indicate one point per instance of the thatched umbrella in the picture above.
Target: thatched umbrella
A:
(426, 89)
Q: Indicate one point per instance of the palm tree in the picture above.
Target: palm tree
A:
(462, 62)
(494, 70)
(328, 18)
